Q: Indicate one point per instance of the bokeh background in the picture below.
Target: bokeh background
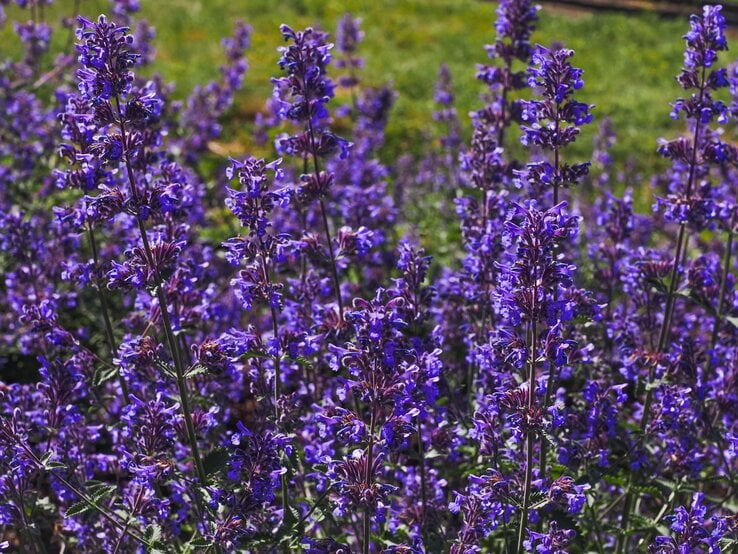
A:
(630, 60)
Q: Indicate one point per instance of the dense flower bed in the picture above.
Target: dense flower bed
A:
(314, 381)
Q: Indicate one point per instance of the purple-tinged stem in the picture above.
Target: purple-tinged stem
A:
(723, 286)
(551, 381)
(368, 479)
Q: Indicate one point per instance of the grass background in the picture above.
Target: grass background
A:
(629, 59)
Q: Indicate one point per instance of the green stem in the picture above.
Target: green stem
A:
(552, 372)
(164, 309)
(110, 337)
(423, 486)
(79, 493)
(368, 480)
(530, 438)
(723, 286)
(326, 226)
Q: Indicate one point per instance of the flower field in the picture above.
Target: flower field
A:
(482, 343)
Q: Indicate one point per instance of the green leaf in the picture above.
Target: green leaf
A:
(103, 491)
(158, 547)
(291, 518)
(198, 542)
(166, 369)
(301, 360)
(105, 374)
(651, 490)
(78, 509)
(152, 533)
(640, 524)
(250, 355)
(549, 438)
(539, 504)
(197, 369)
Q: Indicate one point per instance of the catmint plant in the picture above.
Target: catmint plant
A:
(272, 353)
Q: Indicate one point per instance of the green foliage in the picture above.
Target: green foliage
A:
(629, 59)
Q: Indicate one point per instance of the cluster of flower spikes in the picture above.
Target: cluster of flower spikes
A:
(199, 121)
(692, 531)
(552, 122)
(437, 171)
(486, 173)
(301, 97)
(534, 304)
(386, 436)
(115, 148)
(680, 346)
(348, 37)
(392, 370)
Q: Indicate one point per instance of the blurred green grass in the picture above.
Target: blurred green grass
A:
(629, 59)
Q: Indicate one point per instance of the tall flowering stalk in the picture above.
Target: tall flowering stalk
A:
(122, 118)
(530, 289)
(488, 171)
(691, 157)
(490, 410)
(552, 123)
(303, 94)
(348, 37)
(261, 249)
(514, 25)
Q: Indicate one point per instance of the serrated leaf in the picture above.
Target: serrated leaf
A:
(46, 457)
(78, 509)
(640, 524)
(166, 369)
(549, 438)
(152, 533)
(215, 460)
(539, 504)
(658, 286)
(103, 492)
(291, 517)
(158, 547)
(301, 360)
(197, 369)
(650, 490)
(105, 374)
(250, 355)
(199, 542)
(615, 480)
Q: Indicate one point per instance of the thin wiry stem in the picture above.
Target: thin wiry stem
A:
(366, 547)
(326, 226)
(164, 309)
(109, 336)
(530, 436)
(423, 485)
(551, 381)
